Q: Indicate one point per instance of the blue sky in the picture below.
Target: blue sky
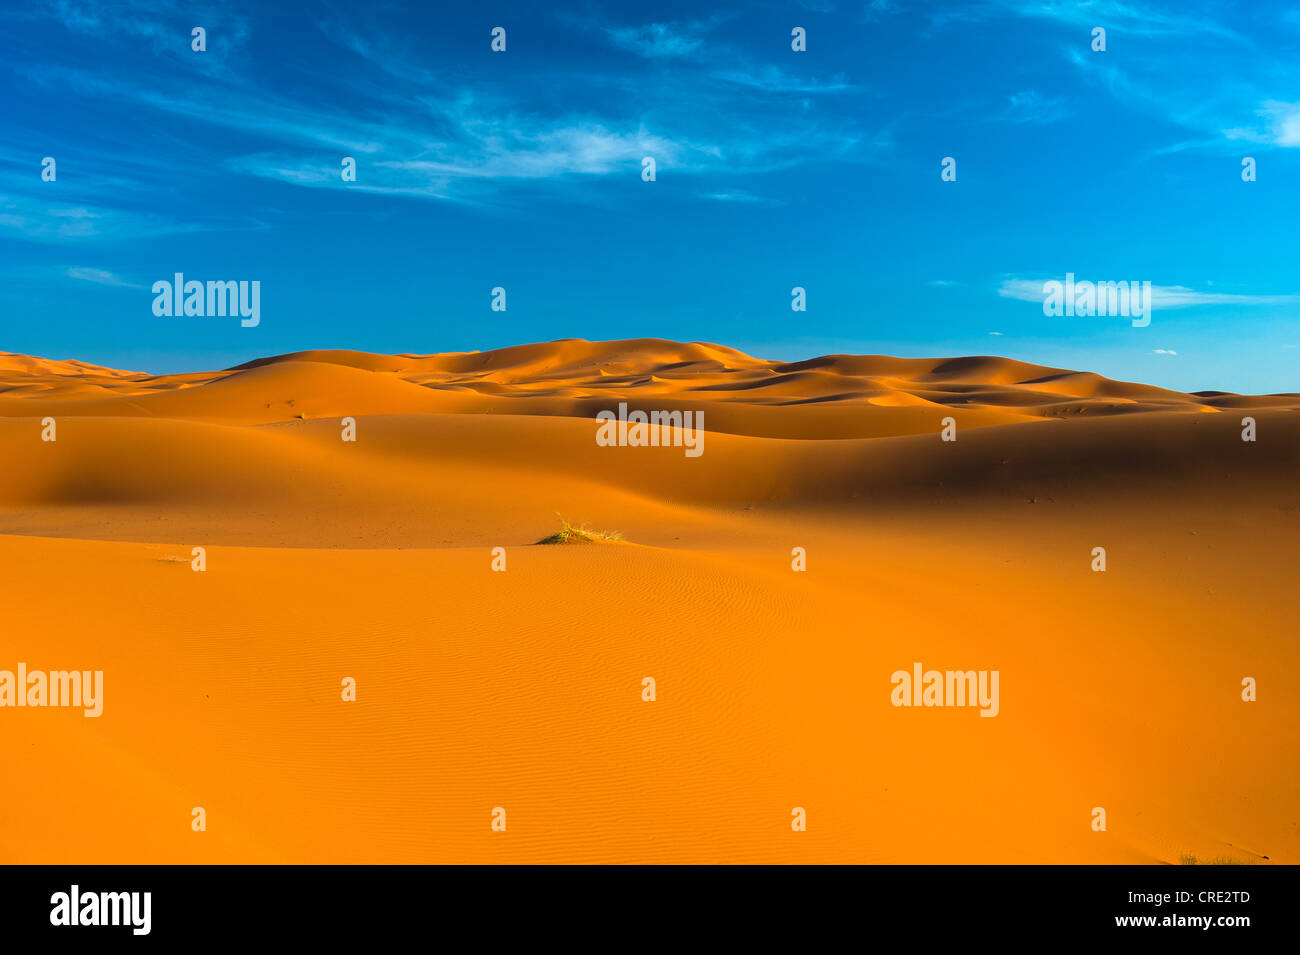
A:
(775, 169)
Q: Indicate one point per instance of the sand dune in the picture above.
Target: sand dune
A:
(522, 689)
(568, 378)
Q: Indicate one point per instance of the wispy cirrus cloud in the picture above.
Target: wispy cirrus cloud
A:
(153, 22)
(441, 137)
(361, 87)
(1280, 125)
(1128, 17)
(661, 40)
(50, 221)
(1031, 106)
(100, 277)
(509, 151)
(773, 79)
(1219, 114)
(739, 195)
(1240, 100)
(1162, 296)
(1245, 98)
(462, 142)
(716, 60)
(875, 10)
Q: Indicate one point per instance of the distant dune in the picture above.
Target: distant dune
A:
(836, 396)
(521, 689)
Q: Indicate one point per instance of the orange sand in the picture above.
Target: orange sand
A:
(522, 689)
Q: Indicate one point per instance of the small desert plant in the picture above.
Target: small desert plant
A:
(571, 534)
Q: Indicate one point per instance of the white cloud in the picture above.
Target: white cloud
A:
(1281, 125)
(436, 134)
(489, 152)
(443, 141)
(1134, 19)
(43, 221)
(738, 195)
(1235, 102)
(773, 79)
(1162, 296)
(100, 277)
(1165, 351)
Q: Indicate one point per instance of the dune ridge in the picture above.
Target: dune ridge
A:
(834, 396)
